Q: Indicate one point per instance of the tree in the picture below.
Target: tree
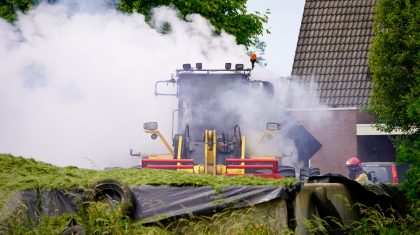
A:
(8, 8)
(230, 16)
(394, 61)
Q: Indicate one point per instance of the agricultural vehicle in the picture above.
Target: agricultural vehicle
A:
(210, 141)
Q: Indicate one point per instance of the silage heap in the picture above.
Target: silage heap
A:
(20, 174)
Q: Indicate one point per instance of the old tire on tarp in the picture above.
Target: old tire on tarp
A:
(287, 171)
(307, 172)
(74, 230)
(112, 192)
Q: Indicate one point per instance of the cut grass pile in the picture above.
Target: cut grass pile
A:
(18, 173)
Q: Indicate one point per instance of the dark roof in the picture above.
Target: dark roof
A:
(333, 46)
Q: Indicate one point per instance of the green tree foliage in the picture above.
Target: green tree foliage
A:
(394, 62)
(230, 16)
(409, 151)
(8, 8)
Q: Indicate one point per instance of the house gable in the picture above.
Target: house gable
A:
(333, 46)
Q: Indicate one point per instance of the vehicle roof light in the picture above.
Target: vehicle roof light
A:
(199, 66)
(239, 66)
(186, 67)
(253, 59)
(228, 65)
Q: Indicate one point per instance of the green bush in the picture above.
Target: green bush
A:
(103, 218)
(372, 221)
(409, 152)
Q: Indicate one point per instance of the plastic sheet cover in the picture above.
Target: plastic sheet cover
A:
(154, 203)
(370, 194)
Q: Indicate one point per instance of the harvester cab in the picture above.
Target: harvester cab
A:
(209, 138)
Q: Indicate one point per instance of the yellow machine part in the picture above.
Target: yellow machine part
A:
(179, 148)
(159, 156)
(200, 169)
(210, 151)
(156, 132)
(265, 135)
(180, 140)
(220, 170)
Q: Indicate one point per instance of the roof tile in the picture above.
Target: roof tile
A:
(333, 45)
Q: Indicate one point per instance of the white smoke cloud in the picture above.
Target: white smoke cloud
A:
(256, 109)
(77, 79)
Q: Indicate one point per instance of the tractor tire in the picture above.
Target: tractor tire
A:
(307, 172)
(112, 192)
(287, 171)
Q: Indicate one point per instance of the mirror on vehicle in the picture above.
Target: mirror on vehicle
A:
(272, 126)
(150, 126)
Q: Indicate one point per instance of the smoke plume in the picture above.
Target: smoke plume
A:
(77, 79)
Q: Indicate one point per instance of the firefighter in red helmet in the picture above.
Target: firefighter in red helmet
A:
(356, 171)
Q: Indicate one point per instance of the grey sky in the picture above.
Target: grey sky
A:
(284, 24)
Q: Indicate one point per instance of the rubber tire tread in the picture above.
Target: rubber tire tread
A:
(128, 201)
(287, 171)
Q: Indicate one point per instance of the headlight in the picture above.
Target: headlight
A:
(272, 126)
(150, 126)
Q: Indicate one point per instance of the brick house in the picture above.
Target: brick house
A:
(332, 50)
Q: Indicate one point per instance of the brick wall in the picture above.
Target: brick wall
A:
(336, 131)
(364, 118)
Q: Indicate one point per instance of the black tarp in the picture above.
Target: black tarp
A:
(154, 203)
(370, 194)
